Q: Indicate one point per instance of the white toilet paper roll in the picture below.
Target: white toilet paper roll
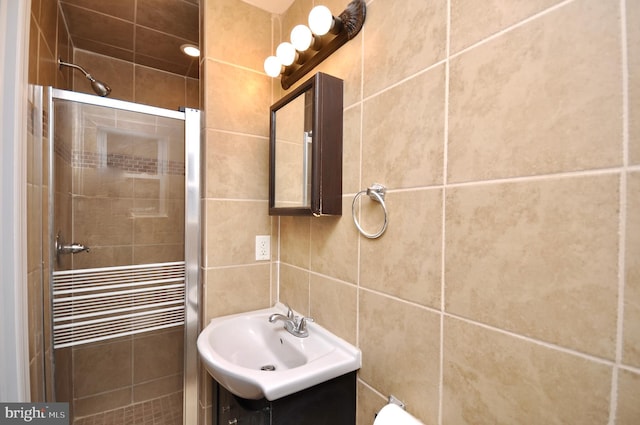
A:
(392, 414)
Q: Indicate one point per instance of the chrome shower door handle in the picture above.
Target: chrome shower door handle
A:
(62, 248)
(74, 248)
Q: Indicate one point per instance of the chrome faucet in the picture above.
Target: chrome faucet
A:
(295, 325)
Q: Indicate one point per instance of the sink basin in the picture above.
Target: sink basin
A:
(255, 359)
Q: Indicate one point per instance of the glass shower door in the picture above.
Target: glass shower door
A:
(118, 286)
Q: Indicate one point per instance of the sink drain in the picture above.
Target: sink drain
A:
(268, 367)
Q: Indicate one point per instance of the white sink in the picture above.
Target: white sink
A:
(237, 349)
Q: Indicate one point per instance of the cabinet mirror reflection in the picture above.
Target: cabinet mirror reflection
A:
(293, 141)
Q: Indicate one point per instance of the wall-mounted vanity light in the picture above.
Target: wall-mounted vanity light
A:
(312, 44)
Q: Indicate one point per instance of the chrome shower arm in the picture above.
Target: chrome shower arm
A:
(61, 63)
(101, 89)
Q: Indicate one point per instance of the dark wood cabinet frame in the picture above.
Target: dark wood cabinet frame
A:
(326, 163)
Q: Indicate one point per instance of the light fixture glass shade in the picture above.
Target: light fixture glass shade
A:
(320, 20)
(301, 37)
(272, 66)
(190, 50)
(286, 53)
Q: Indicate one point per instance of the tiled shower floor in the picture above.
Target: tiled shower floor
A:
(160, 411)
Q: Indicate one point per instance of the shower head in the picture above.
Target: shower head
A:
(101, 89)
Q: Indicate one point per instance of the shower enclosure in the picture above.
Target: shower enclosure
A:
(121, 301)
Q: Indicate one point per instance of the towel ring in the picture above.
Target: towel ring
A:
(375, 192)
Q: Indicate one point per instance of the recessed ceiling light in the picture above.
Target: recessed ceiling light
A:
(190, 50)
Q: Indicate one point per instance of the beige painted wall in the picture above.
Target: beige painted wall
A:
(507, 287)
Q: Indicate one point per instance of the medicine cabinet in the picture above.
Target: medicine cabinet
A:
(305, 149)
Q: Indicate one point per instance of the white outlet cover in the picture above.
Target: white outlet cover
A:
(263, 247)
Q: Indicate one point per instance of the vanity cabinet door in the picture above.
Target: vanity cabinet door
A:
(231, 411)
(329, 403)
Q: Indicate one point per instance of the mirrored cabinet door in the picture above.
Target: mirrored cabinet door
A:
(305, 148)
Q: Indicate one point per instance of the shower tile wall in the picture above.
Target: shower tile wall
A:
(506, 288)
(47, 41)
(126, 371)
(127, 212)
(121, 213)
(63, 225)
(136, 83)
(161, 373)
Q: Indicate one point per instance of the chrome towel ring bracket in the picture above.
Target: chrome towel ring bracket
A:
(376, 192)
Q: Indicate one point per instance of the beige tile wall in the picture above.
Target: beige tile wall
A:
(48, 41)
(62, 367)
(106, 205)
(125, 215)
(128, 370)
(506, 288)
(236, 98)
(136, 83)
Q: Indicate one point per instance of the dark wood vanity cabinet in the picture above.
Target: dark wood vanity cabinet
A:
(329, 403)
(233, 410)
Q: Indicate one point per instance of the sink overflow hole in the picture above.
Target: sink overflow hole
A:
(268, 367)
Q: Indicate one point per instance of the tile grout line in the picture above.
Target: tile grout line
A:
(135, 35)
(443, 194)
(217, 199)
(237, 66)
(495, 328)
(449, 56)
(632, 369)
(237, 133)
(512, 27)
(360, 159)
(613, 408)
(532, 340)
(235, 266)
(400, 82)
(525, 179)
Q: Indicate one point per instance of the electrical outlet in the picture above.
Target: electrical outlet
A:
(263, 247)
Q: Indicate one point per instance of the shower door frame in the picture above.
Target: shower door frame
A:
(191, 118)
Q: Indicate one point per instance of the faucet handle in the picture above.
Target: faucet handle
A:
(302, 323)
(289, 311)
